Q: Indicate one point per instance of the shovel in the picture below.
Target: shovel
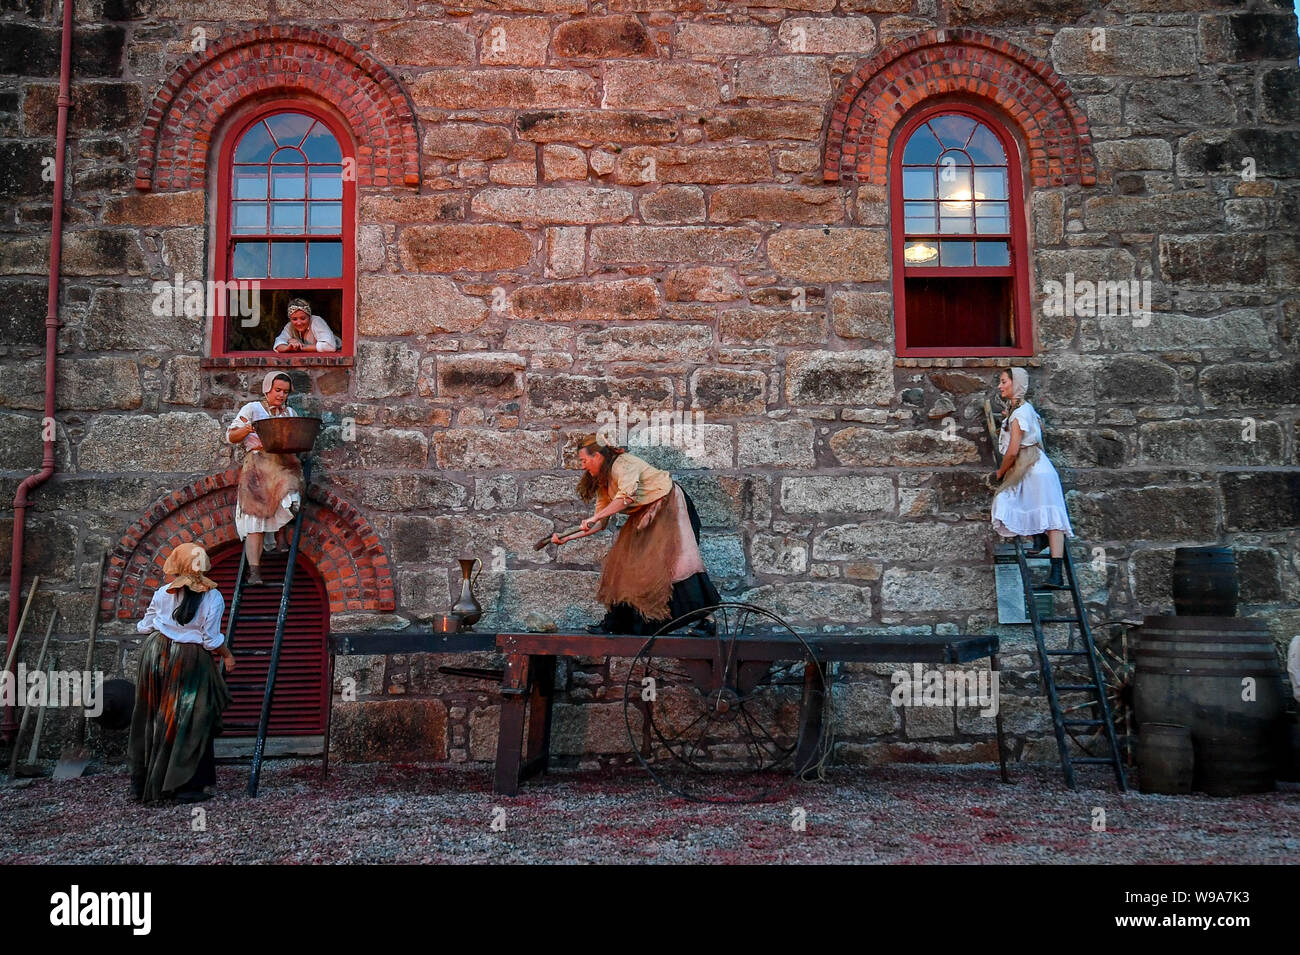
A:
(14, 769)
(74, 758)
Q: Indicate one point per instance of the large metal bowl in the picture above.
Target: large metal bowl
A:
(287, 435)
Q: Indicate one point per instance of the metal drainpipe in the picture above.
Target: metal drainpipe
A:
(9, 726)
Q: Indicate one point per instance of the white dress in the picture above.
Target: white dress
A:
(247, 524)
(1035, 505)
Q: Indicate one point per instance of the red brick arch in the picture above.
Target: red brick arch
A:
(336, 538)
(282, 60)
(940, 62)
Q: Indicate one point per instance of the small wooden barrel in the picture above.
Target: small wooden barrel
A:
(1165, 758)
(287, 435)
(1194, 671)
(1205, 582)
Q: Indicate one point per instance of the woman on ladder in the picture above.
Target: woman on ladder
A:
(1029, 500)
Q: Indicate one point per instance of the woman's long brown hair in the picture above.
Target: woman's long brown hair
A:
(589, 486)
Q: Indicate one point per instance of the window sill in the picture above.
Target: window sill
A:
(995, 361)
(298, 360)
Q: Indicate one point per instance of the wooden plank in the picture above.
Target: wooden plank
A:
(411, 640)
(238, 747)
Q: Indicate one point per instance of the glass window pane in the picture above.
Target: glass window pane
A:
(289, 128)
(956, 253)
(990, 184)
(955, 217)
(985, 148)
(289, 157)
(288, 182)
(326, 260)
(250, 217)
(918, 217)
(954, 177)
(321, 146)
(992, 216)
(326, 217)
(327, 182)
(992, 253)
(918, 183)
(248, 260)
(286, 218)
(250, 182)
(922, 148)
(920, 253)
(953, 130)
(288, 260)
(255, 146)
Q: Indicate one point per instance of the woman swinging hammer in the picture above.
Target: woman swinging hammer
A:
(270, 485)
(1029, 500)
(654, 573)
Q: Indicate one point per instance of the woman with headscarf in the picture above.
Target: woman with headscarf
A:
(654, 573)
(179, 693)
(270, 485)
(305, 331)
(1029, 501)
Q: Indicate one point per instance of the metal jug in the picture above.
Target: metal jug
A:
(467, 607)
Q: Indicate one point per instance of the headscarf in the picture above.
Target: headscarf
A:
(1019, 387)
(298, 305)
(188, 562)
(269, 379)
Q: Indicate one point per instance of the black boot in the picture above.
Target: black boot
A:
(1041, 543)
(1055, 580)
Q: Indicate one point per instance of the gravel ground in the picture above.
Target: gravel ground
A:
(419, 814)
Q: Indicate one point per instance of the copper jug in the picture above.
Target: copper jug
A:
(467, 607)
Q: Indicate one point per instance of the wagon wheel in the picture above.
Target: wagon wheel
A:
(1117, 677)
(719, 730)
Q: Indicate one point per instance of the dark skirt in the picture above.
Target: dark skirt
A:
(180, 695)
(693, 593)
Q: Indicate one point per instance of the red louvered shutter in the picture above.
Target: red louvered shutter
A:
(298, 706)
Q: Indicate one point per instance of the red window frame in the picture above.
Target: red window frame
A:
(1023, 326)
(224, 240)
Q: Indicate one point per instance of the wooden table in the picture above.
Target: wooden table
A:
(528, 684)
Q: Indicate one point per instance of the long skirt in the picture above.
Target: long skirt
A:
(654, 573)
(268, 485)
(1033, 506)
(179, 697)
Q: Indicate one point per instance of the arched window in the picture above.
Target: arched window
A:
(286, 222)
(961, 280)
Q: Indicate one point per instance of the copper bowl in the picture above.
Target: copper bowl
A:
(287, 435)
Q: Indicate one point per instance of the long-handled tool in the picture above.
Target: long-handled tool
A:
(31, 767)
(18, 634)
(565, 536)
(74, 758)
(27, 710)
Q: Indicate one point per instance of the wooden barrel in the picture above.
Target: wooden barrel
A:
(1165, 758)
(1194, 671)
(1205, 582)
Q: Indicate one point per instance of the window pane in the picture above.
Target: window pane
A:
(918, 217)
(289, 128)
(248, 260)
(327, 182)
(326, 260)
(953, 130)
(920, 253)
(288, 182)
(250, 182)
(956, 253)
(289, 260)
(990, 183)
(256, 145)
(954, 177)
(321, 146)
(918, 183)
(250, 217)
(922, 148)
(992, 216)
(326, 217)
(985, 148)
(955, 218)
(992, 253)
(286, 218)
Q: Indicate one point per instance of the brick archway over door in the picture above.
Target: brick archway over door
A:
(277, 60)
(336, 538)
(939, 62)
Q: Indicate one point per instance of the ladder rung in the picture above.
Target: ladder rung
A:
(1067, 653)
(1075, 687)
(256, 617)
(1058, 619)
(1093, 760)
(1082, 722)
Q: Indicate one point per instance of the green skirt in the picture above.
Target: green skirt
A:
(179, 697)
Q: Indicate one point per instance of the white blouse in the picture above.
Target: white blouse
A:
(1031, 428)
(253, 411)
(321, 335)
(205, 628)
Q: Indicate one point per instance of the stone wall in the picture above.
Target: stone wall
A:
(628, 202)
